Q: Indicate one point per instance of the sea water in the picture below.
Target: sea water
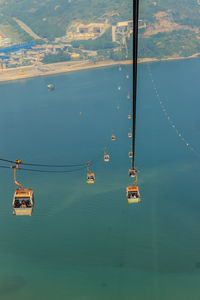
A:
(85, 242)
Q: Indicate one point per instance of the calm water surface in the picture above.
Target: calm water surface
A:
(86, 242)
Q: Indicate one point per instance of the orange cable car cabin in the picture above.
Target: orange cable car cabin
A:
(23, 202)
(133, 194)
(106, 156)
(23, 199)
(90, 175)
(113, 137)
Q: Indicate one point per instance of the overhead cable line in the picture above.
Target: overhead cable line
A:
(135, 55)
(44, 171)
(44, 165)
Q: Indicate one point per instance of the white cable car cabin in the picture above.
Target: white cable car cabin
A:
(23, 199)
(129, 116)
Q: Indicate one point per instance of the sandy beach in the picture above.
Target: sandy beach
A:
(63, 67)
(56, 68)
(145, 60)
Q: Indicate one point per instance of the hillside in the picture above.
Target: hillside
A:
(50, 18)
(172, 28)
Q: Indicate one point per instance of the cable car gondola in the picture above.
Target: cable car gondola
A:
(131, 172)
(113, 137)
(106, 156)
(130, 154)
(130, 133)
(23, 199)
(132, 191)
(133, 194)
(129, 116)
(90, 175)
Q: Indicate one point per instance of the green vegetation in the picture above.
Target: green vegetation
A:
(23, 36)
(179, 43)
(181, 11)
(50, 18)
(59, 57)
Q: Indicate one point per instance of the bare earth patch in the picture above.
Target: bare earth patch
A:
(165, 23)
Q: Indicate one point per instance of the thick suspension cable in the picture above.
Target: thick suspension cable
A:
(45, 171)
(45, 165)
(53, 166)
(135, 54)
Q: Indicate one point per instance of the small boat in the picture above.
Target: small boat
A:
(127, 76)
(119, 87)
(51, 87)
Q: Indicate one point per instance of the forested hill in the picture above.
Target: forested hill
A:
(186, 12)
(49, 18)
(172, 28)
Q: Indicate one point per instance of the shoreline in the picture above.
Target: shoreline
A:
(38, 70)
(148, 59)
(55, 68)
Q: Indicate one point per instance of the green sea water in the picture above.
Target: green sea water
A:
(84, 242)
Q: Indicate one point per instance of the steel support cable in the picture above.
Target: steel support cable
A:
(135, 54)
(53, 166)
(45, 171)
(7, 160)
(83, 165)
(44, 165)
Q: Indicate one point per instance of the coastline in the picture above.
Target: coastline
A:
(55, 68)
(145, 60)
(64, 67)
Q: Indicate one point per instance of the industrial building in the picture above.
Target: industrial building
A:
(79, 31)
